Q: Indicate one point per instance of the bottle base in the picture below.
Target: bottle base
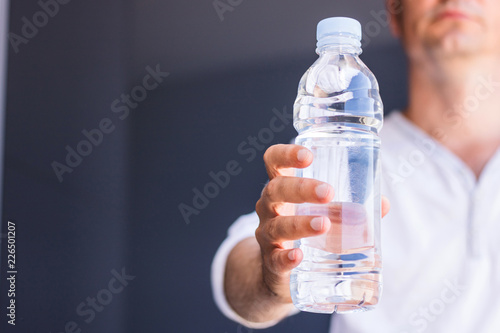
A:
(340, 295)
(331, 308)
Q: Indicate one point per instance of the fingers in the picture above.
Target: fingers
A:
(285, 228)
(386, 206)
(280, 157)
(272, 236)
(293, 190)
(283, 261)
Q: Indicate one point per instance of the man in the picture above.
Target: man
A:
(441, 162)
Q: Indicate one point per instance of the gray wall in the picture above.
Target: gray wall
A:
(4, 26)
(118, 208)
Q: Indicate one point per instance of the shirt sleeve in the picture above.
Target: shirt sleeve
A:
(242, 228)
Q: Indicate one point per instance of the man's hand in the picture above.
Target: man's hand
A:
(278, 226)
(257, 276)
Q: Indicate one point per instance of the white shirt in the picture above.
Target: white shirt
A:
(440, 242)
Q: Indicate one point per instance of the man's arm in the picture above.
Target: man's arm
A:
(244, 287)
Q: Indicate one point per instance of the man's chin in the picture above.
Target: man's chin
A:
(456, 45)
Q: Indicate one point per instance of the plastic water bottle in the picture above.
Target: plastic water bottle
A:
(338, 114)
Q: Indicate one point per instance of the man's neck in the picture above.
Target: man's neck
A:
(457, 102)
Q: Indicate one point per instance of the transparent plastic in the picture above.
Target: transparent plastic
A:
(338, 114)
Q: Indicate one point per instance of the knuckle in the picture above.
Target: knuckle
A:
(272, 187)
(272, 229)
(259, 206)
(296, 224)
(264, 232)
(302, 187)
(267, 155)
(258, 234)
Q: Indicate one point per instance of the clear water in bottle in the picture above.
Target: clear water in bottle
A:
(338, 114)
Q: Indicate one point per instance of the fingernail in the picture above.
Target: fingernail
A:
(302, 155)
(317, 223)
(291, 255)
(322, 191)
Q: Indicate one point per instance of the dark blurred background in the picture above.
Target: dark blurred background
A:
(79, 69)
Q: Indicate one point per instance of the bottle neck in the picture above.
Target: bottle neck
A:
(338, 44)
